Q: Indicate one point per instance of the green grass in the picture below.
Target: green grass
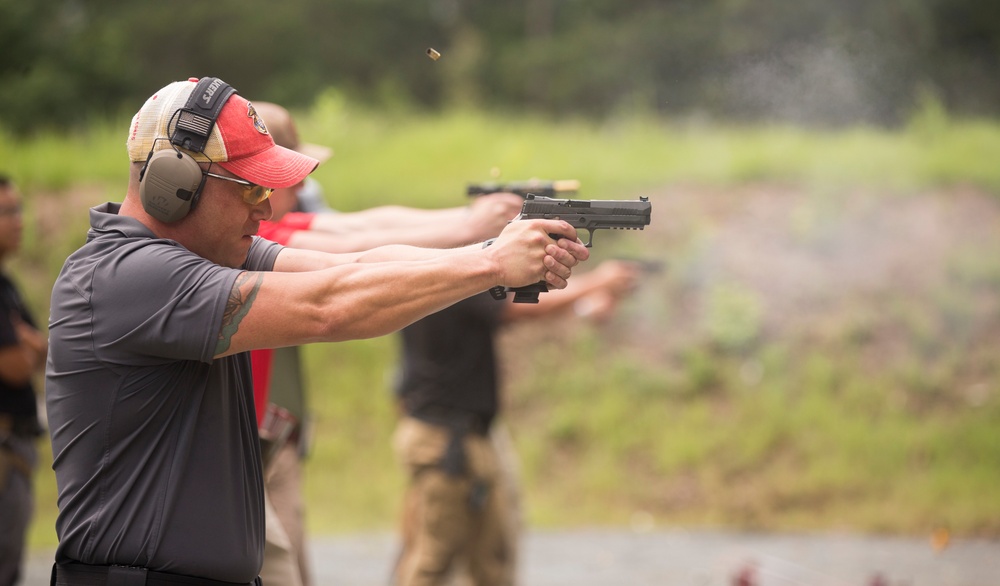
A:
(797, 452)
(426, 159)
(421, 159)
(707, 418)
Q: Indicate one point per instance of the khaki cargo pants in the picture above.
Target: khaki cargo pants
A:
(286, 562)
(450, 524)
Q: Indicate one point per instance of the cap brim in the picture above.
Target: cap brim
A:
(274, 167)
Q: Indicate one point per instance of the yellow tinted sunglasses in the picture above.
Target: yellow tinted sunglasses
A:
(252, 193)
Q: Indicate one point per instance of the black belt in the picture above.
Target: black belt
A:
(454, 420)
(74, 574)
(459, 425)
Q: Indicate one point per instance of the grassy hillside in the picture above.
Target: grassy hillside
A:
(819, 353)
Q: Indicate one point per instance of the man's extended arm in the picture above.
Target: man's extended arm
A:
(390, 216)
(483, 218)
(368, 299)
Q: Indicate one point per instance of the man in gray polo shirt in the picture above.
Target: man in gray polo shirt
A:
(148, 382)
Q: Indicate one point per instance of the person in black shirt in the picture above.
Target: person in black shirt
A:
(22, 354)
(460, 505)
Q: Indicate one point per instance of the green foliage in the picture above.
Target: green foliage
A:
(811, 62)
(59, 161)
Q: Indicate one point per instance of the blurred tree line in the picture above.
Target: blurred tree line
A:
(816, 62)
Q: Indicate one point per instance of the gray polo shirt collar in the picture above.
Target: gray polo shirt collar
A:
(106, 218)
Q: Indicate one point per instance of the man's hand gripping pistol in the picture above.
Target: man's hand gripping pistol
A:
(589, 215)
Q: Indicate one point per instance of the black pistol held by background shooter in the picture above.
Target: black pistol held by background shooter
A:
(537, 187)
(582, 214)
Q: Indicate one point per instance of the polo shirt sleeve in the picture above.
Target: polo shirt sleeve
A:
(157, 304)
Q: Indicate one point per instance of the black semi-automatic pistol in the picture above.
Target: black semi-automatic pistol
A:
(582, 214)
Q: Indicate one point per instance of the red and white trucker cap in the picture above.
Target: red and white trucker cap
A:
(240, 142)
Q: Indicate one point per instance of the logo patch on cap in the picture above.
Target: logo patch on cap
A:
(258, 123)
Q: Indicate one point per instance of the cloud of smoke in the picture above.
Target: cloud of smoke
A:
(816, 84)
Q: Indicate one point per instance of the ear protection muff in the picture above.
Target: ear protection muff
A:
(170, 182)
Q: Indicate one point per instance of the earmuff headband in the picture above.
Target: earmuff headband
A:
(196, 119)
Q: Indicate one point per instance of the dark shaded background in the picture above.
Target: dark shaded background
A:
(813, 62)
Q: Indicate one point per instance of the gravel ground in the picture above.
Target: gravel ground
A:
(689, 558)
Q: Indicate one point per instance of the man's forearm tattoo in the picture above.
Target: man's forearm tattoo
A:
(240, 299)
